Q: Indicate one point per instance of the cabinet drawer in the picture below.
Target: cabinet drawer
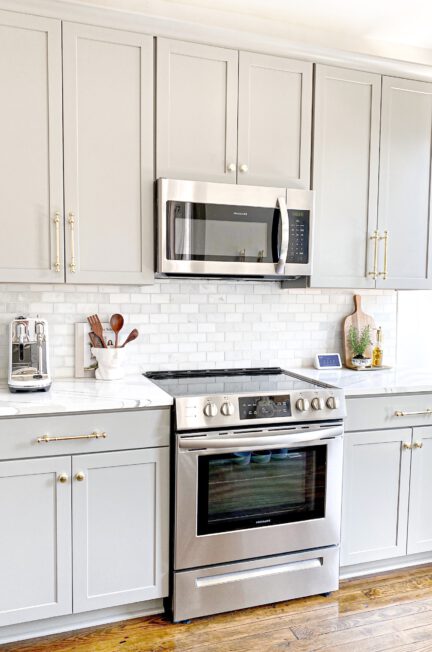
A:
(119, 430)
(373, 412)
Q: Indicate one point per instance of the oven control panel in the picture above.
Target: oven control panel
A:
(264, 407)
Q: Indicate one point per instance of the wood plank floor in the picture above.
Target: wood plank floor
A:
(392, 611)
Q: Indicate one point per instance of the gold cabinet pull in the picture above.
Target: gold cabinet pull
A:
(46, 439)
(407, 445)
(63, 477)
(418, 444)
(56, 221)
(385, 237)
(375, 236)
(400, 413)
(72, 264)
(80, 476)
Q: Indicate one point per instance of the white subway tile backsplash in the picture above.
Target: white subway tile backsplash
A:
(198, 324)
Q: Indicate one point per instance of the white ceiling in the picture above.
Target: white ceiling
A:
(394, 28)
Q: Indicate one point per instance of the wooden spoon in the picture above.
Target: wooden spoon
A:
(116, 323)
(132, 336)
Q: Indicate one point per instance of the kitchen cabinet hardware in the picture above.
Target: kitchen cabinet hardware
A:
(80, 476)
(56, 221)
(72, 264)
(244, 168)
(231, 167)
(385, 237)
(407, 445)
(400, 413)
(46, 439)
(375, 237)
(63, 477)
(418, 444)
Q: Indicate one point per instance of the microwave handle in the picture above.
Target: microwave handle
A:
(280, 265)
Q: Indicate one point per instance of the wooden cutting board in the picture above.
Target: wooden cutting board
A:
(358, 319)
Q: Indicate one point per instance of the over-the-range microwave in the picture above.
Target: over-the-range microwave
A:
(226, 230)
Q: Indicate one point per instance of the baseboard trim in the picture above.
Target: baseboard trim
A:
(72, 622)
(384, 565)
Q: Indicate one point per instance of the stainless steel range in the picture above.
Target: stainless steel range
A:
(257, 488)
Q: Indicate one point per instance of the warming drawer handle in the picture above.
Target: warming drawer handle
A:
(280, 265)
(264, 441)
(400, 413)
(46, 439)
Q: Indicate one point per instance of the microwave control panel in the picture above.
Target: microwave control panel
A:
(298, 247)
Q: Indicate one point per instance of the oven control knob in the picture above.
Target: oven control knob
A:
(317, 403)
(227, 409)
(210, 409)
(302, 404)
(332, 403)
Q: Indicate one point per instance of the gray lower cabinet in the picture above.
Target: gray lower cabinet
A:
(229, 116)
(83, 530)
(375, 495)
(420, 503)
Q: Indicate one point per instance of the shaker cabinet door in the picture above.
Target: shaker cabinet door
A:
(420, 505)
(120, 527)
(197, 90)
(375, 495)
(31, 159)
(35, 539)
(274, 121)
(404, 188)
(345, 176)
(108, 136)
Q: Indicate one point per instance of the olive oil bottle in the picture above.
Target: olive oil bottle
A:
(378, 352)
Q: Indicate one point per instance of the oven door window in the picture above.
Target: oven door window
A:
(237, 491)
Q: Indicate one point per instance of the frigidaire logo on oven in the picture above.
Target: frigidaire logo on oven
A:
(265, 520)
(234, 213)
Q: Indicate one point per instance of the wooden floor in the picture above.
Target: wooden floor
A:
(386, 612)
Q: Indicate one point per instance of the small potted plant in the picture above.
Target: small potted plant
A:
(359, 342)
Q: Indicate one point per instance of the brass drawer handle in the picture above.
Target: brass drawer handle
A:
(45, 439)
(399, 413)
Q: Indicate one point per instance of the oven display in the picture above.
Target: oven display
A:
(264, 407)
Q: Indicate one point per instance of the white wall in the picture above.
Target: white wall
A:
(196, 324)
(414, 329)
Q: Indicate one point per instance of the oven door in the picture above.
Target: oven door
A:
(246, 495)
(225, 230)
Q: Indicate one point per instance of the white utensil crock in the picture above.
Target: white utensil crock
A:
(110, 363)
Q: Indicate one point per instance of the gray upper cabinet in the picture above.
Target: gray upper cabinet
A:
(232, 117)
(404, 190)
(31, 159)
(274, 121)
(345, 176)
(108, 140)
(197, 87)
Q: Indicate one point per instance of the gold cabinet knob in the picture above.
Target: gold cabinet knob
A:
(407, 445)
(231, 167)
(244, 168)
(418, 444)
(80, 476)
(63, 477)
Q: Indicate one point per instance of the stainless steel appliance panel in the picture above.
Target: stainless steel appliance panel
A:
(192, 550)
(204, 591)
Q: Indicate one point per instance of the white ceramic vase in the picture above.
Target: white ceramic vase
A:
(110, 363)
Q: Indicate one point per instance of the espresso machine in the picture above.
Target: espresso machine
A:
(29, 368)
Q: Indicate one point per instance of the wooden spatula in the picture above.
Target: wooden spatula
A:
(96, 326)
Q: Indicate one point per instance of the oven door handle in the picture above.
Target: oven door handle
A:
(283, 439)
(280, 265)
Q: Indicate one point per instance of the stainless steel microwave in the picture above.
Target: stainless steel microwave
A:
(218, 229)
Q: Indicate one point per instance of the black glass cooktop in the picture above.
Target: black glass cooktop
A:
(229, 381)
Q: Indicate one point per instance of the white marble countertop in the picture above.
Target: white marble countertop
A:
(367, 383)
(85, 395)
